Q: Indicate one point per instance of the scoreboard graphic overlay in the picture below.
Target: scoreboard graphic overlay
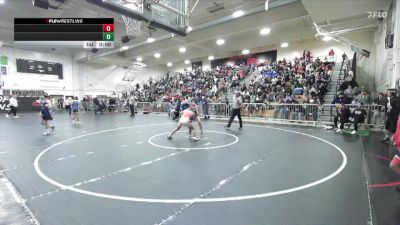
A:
(83, 32)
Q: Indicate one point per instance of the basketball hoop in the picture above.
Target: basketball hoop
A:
(132, 26)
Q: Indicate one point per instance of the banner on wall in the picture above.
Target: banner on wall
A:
(260, 58)
(25, 104)
(3, 70)
(3, 65)
(4, 103)
(3, 60)
(197, 65)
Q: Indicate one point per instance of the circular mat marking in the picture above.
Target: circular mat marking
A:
(180, 201)
(236, 139)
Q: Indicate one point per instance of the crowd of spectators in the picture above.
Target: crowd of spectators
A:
(355, 105)
(302, 80)
(214, 84)
(349, 92)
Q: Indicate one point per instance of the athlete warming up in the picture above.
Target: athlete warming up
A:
(75, 106)
(45, 114)
(187, 117)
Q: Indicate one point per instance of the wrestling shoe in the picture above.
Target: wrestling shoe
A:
(385, 139)
(195, 139)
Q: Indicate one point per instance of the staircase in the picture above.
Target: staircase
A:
(330, 95)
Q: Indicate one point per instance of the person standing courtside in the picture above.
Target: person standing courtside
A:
(75, 106)
(13, 106)
(132, 105)
(236, 104)
(393, 114)
(68, 103)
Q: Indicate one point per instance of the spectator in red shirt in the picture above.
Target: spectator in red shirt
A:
(331, 55)
(331, 52)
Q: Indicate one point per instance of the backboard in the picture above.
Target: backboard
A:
(169, 15)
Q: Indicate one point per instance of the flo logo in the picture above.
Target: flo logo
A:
(4, 103)
(377, 15)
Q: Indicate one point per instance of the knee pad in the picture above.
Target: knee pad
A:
(395, 161)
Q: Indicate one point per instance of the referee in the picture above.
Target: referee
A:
(236, 103)
(131, 103)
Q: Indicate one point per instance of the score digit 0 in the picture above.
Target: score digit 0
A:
(108, 27)
(108, 36)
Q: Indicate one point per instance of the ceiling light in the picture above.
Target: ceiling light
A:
(123, 48)
(138, 65)
(245, 51)
(326, 38)
(284, 44)
(150, 40)
(187, 61)
(2, 1)
(237, 14)
(189, 29)
(169, 64)
(139, 59)
(157, 55)
(220, 41)
(265, 31)
(210, 57)
(182, 49)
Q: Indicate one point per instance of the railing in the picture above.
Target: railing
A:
(151, 107)
(271, 112)
(338, 82)
(375, 114)
(253, 110)
(217, 110)
(305, 113)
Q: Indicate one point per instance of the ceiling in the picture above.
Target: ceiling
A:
(290, 22)
(201, 14)
(333, 10)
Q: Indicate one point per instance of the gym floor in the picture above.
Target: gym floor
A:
(114, 169)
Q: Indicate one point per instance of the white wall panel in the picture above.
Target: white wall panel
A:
(51, 83)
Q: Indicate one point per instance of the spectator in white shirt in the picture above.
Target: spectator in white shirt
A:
(13, 104)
